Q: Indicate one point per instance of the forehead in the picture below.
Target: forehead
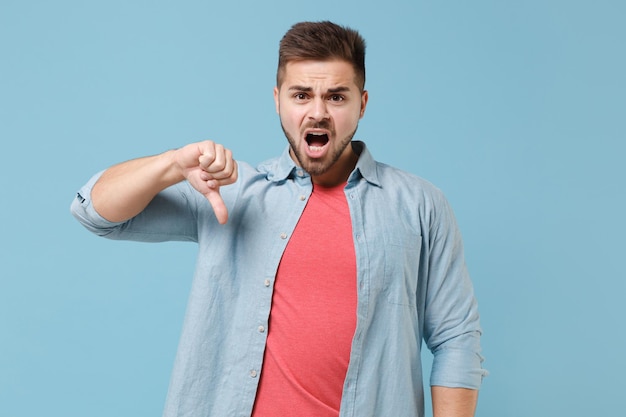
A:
(310, 73)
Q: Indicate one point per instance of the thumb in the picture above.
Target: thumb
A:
(219, 208)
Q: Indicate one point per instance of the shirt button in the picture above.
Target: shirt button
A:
(299, 173)
(302, 197)
(267, 282)
(253, 374)
(283, 235)
(261, 329)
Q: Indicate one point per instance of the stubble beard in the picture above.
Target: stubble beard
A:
(317, 167)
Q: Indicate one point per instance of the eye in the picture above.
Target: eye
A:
(300, 96)
(336, 98)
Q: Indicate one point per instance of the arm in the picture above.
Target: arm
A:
(451, 325)
(124, 190)
(453, 402)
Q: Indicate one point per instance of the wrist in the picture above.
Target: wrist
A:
(172, 171)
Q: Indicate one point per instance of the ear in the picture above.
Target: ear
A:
(364, 98)
(277, 99)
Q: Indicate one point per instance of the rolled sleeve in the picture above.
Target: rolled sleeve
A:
(83, 210)
(458, 368)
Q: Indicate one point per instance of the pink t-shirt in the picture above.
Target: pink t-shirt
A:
(313, 315)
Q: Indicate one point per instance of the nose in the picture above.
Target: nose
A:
(320, 110)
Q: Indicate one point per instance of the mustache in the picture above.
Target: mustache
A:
(325, 124)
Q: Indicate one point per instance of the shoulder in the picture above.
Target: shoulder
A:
(393, 181)
(408, 185)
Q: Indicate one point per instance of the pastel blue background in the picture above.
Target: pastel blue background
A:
(515, 109)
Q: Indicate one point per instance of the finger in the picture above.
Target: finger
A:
(228, 174)
(219, 160)
(205, 176)
(205, 160)
(207, 154)
(234, 175)
(230, 168)
(217, 203)
(211, 158)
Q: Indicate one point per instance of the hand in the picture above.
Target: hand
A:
(208, 166)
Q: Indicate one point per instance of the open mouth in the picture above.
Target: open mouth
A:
(316, 140)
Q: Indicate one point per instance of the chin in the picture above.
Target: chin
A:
(313, 167)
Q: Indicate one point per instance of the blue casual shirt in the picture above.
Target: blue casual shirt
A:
(411, 278)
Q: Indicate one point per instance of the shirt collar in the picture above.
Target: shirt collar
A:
(366, 166)
(284, 166)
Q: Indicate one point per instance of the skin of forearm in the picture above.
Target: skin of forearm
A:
(124, 190)
(453, 402)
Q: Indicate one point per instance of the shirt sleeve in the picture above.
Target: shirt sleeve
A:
(451, 320)
(170, 216)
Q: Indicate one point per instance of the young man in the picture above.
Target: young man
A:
(320, 272)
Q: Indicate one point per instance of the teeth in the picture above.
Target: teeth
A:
(314, 144)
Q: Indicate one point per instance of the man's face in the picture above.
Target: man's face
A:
(320, 107)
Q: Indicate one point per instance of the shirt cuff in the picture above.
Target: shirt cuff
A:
(456, 368)
(82, 209)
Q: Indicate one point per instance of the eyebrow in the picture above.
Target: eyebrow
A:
(309, 89)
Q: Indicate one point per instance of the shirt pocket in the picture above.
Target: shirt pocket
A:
(402, 260)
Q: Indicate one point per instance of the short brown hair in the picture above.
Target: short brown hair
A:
(322, 41)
